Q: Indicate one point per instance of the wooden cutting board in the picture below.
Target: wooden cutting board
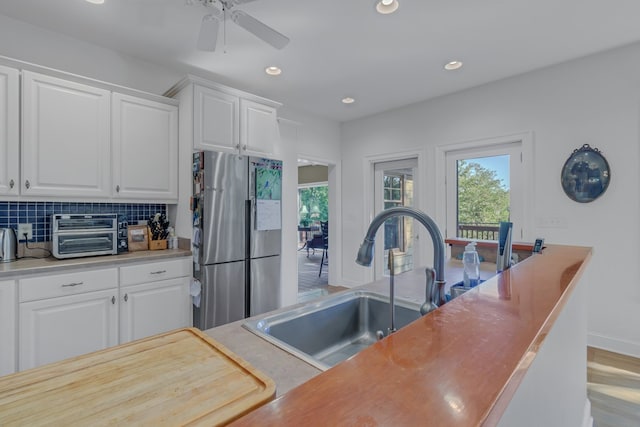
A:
(182, 377)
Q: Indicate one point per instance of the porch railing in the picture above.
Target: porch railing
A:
(488, 231)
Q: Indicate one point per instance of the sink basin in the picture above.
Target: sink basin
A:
(330, 330)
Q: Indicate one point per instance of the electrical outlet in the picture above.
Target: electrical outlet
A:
(25, 229)
(552, 222)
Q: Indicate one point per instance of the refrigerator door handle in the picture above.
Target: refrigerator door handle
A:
(248, 223)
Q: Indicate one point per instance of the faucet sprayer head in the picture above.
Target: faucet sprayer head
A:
(365, 253)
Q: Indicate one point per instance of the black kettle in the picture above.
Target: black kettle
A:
(8, 245)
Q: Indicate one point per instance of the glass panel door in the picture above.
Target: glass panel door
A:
(395, 186)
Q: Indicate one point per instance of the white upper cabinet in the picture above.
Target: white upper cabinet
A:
(215, 118)
(258, 127)
(65, 138)
(145, 149)
(229, 120)
(9, 131)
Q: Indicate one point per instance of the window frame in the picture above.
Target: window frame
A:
(521, 187)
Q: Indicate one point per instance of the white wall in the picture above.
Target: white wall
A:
(305, 135)
(561, 360)
(593, 100)
(28, 43)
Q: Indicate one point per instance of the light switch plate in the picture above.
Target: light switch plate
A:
(25, 228)
(552, 222)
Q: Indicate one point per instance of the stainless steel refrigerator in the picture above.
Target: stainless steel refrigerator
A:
(237, 236)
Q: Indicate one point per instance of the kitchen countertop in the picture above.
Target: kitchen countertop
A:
(289, 371)
(476, 348)
(28, 266)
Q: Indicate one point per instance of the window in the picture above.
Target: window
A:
(483, 188)
(313, 205)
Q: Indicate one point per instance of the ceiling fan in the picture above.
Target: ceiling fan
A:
(210, 23)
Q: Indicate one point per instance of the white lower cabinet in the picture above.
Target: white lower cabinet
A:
(66, 315)
(69, 314)
(154, 298)
(8, 327)
(153, 308)
(58, 328)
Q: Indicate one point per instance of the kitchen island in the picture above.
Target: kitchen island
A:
(510, 352)
(289, 371)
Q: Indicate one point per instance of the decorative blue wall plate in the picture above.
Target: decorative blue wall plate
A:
(585, 175)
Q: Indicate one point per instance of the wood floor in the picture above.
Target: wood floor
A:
(613, 386)
(311, 285)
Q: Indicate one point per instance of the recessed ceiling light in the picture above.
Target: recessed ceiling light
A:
(348, 100)
(273, 71)
(386, 7)
(453, 65)
(96, 1)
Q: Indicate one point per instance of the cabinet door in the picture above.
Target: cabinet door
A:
(258, 128)
(153, 308)
(145, 149)
(9, 131)
(215, 120)
(8, 327)
(65, 138)
(58, 328)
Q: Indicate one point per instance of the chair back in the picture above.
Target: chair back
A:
(324, 228)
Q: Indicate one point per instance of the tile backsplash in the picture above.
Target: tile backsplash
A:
(39, 213)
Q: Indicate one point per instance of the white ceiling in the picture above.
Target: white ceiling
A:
(344, 48)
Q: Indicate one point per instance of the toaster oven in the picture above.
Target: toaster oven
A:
(79, 235)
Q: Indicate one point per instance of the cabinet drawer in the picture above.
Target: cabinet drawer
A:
(57, 285)
(153, 271)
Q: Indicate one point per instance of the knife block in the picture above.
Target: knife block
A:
(156, 245)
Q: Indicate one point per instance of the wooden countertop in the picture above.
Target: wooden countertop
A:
(458, 366)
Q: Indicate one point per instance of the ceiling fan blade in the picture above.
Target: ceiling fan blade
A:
(208, 33)
(259, 29)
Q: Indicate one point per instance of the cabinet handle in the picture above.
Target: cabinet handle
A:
(244, 147)
(113, 300)
(126, 297)
(73, 284)
(11, 184)
(117, 188)
(159, 272)
(237, 146)
(27, 184)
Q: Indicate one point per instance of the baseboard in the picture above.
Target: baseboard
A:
(587, 419)
(615, 345)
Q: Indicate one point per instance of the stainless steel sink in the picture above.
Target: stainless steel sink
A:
(330, 330)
